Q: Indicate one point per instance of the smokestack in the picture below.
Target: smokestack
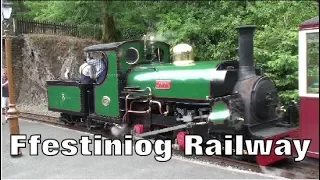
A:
(246, 68)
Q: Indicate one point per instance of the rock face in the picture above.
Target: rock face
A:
(38, 58)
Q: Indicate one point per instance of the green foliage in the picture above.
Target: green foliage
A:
(209, 26)
(288, 95)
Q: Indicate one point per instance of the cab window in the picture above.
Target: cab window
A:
(313, 63)
(99, 60)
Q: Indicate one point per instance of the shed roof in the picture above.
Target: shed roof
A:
(310, 24)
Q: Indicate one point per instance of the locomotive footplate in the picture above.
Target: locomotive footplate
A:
(164, 130)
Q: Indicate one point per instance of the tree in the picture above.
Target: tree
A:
(209, 26)
(108, 27)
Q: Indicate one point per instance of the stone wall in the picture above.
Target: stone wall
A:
(37, 58)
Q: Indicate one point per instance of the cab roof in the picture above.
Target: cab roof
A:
(100, 47)
(114, 45)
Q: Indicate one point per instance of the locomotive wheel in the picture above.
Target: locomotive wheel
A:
(137, 129)
(181, 139)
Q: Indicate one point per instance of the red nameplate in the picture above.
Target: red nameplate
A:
(163, 84)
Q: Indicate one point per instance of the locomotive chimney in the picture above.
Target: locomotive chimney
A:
(246, 68)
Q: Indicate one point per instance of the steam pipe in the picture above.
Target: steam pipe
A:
(141, 112)
(246, 67)
(160, 107)
(152, 47)
(126, 104)
(145, 46)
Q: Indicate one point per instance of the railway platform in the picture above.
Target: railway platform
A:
(105, 167)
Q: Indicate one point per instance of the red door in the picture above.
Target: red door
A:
(309, 123)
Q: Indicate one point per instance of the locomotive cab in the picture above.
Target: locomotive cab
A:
(122, 57)
(91, 103)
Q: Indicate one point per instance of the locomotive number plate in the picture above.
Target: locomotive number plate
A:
(163, 84)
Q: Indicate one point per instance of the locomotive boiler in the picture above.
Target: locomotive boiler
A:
(156, 95)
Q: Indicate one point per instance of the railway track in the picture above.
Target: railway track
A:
(41, 118)
(287, 169)
(55, 121)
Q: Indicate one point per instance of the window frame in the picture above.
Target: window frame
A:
(106, 63)
(302, 59)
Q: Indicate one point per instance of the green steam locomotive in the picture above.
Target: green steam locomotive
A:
(155, 91)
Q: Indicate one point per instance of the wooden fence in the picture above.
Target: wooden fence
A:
(23, 26)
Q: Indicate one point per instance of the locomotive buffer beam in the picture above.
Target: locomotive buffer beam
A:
(164, 130)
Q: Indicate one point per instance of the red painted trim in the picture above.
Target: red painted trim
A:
(309, 27)
(310, 24)
(265, 160)
(309, 124)
(309, 98)
(313, 155)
